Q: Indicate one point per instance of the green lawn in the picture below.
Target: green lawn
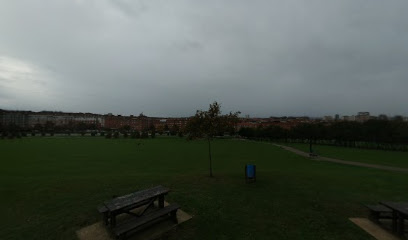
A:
(388, 158)
(50, 188)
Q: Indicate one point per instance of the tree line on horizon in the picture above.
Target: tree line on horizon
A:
(373, 134)
(12, 130)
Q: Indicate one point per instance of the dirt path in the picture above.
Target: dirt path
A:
(368, 165)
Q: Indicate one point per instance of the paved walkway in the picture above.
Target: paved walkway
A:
(373, 229)
(360, 164)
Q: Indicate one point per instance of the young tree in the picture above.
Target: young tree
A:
(208, 124)
(152, 131)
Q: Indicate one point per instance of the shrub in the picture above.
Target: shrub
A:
(135, 134)
(144, 135)
(109, 135)
(116, 135)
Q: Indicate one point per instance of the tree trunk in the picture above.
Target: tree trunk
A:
(209, 154)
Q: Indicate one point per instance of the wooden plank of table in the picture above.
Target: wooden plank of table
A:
(134, 198)
(401, 207)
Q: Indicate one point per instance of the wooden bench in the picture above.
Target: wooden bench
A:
(136, 223)
(378, 212)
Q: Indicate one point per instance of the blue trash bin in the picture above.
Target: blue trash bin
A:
(250, 172)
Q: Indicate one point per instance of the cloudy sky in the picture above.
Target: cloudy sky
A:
(169, 58)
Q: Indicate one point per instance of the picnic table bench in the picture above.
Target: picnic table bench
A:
(378, 212)
(145, 200)
(132, 226)
(399, 214)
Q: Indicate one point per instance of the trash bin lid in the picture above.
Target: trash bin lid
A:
(250, 170)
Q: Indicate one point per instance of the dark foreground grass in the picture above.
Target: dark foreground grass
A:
(50, 188)
(387, 158)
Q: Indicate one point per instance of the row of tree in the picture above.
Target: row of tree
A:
(135, 134)
(49, 128)
(380, 134)
(107, 134)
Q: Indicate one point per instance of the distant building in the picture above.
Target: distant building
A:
(283, 122)
(337, 117)
(13, 118)
(398, 118)
(40, 119)
(349, 118)
(328, 118)
(363, 116)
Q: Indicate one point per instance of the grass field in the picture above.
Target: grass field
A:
(50, 188)
(387, 158)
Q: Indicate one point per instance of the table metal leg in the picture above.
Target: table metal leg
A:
(106, 218)
(161, 201)
(394, 221)
(400, 224)
(113, 220)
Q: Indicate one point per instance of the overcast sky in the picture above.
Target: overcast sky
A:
(169, 58)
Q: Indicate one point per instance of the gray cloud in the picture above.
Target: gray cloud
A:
(169, 58)
(130, 7)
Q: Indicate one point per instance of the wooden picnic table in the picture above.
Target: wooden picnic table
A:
(399, 214)
(126, 203)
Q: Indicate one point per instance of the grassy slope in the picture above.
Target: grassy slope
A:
(51, 187)
(388, 158)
